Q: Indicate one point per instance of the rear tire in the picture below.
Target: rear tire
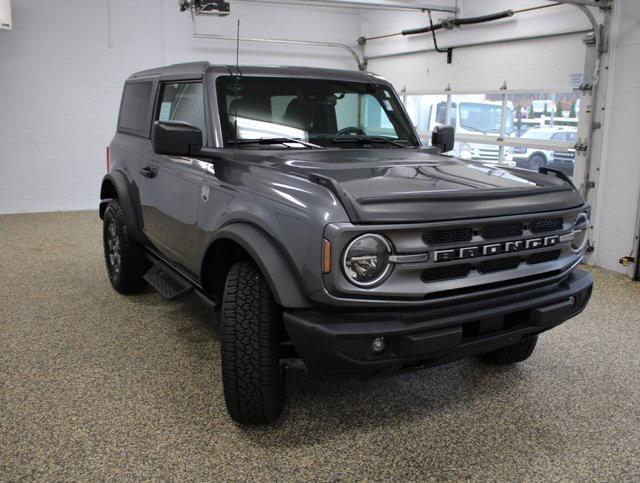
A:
(512, 354)
(253, 379)
(125, 259)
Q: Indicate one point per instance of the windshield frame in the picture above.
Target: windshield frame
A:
(401, 117)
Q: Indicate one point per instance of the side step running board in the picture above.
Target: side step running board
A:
(166, 284)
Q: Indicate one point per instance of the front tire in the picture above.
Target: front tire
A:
(252, 376)
(536, 162)
(125, 259)
(512, 354)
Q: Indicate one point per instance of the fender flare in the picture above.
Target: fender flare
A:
(121, 185)
(277, 270)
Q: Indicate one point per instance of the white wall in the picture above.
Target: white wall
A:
(61, 76)
(618, 177)
(526, 65)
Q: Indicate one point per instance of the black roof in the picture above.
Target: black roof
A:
(195, 70)
(188, 69)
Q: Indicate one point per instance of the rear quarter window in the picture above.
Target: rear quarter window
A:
(135, 108)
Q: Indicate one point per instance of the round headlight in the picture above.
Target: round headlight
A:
(579, 242)
(366, 260)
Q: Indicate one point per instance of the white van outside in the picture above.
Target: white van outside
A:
(470, 114)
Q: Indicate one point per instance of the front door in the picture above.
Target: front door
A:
(171, 186)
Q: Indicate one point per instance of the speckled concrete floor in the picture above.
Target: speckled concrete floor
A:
(94, 385)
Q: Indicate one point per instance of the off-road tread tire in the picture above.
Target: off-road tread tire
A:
(512, 354)
(134, 263)
(251, 372)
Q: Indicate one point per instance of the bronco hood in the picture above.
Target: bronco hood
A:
(406, 185)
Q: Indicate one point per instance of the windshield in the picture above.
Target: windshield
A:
(538, 134)
(323, 112)
(482, 117)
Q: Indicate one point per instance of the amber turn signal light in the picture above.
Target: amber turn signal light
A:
(326, 256)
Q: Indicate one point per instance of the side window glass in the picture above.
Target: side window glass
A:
(183, 102)
(348, 111)
(559, 136)
(376, 119)
(364, 112)
(135, 108)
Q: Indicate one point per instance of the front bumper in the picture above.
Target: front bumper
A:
(340, 344)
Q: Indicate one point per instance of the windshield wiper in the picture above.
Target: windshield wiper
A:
(275, 141)
(365, 140)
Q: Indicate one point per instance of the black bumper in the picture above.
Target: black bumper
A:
(339, 344)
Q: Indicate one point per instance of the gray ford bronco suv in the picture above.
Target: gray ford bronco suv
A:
(300, 203)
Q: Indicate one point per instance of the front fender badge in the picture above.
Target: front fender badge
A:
(205, 194)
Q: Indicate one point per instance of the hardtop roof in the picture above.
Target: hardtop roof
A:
(197, 69)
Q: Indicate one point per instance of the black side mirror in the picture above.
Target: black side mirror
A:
(175, 138)
(443, 137)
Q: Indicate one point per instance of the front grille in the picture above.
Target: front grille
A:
(548, 224)
(496, 285)
(446, 273)
(488, 154)
(490, 266)
(487, 266)
(564, 156)
(543, 257)
(448, 235)
(501, 231)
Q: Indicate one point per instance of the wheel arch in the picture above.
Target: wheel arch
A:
(242, 241)
(115, 186)
(542, 154)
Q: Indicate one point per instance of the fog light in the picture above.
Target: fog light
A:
(379, 345)
(573, 301)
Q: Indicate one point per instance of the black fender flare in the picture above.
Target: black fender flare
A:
(131, 217)
(277, 270)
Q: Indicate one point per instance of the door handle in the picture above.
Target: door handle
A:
(149, 171)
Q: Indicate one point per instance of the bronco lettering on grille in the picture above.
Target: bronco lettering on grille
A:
(494, 249)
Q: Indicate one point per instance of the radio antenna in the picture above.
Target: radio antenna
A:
(236, 90)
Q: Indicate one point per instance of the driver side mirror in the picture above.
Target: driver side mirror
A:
(443, 137)
(176, 138)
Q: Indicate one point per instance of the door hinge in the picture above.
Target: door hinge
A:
(580, 146)
(589, 39)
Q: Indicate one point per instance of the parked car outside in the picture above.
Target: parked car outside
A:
(535, 158)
